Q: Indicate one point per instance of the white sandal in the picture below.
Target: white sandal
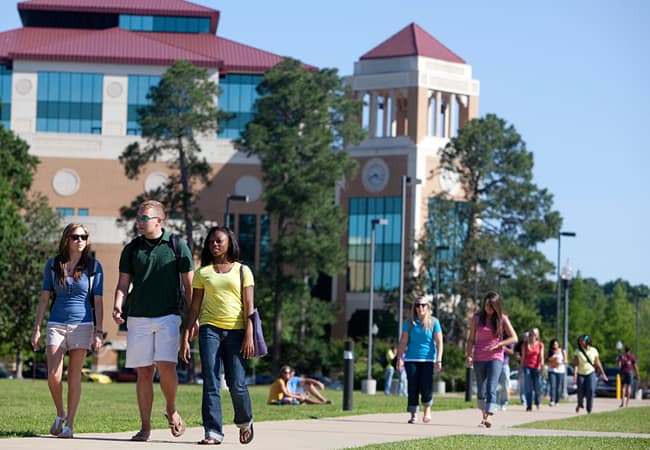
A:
(57, 426)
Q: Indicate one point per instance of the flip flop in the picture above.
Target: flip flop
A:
(57, 426)
(177, 427)
(209, 441)
(426, 419)
(246, 435)
(141, 436)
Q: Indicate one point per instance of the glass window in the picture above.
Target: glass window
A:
(139, 86)
(265, 240)
(167, 24)
(82, 212)
(247, 238)
(63, 212)
(238, 97)
(5, 97)
(69, 102)
(387, 243)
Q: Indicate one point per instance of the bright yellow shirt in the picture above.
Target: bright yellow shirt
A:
(222, 303)
(275, 392)
(584, 368)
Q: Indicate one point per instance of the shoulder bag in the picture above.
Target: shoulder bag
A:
(259, 344)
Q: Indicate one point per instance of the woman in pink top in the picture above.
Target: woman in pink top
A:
(484, 351)
(532, 353)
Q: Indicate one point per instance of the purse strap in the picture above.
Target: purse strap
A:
(586, 357)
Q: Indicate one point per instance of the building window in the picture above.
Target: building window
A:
(82, 212)
(69, 102)
(139, 86)
(65, 212)
(247, 238)
(5, 97)
(265, 240)
(167, 24)
(238, 97)
(387, 243)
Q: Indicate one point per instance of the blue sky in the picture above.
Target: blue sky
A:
(571, 76)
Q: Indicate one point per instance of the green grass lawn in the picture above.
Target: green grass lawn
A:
(28, 409)
(624, 420)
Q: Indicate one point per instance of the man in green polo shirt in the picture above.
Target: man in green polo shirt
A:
(150, 265)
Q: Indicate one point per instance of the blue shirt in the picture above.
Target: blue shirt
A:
(72, 303)
(294, 385)
(421, 346)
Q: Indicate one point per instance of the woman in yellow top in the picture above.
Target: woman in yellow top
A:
(225, 332)
(586, 362)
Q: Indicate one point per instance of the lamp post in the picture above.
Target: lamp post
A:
(567, 275)
(405, 181)
(439, 248)
(232, 198)
(370, 385)
(557, 315)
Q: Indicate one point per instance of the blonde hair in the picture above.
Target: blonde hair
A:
(153, 204)
(427, 322)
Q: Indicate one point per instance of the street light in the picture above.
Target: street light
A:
(439, 248)
(370, 384)
(232, 198)
(405, 180)
(567, 275)
(557, 315)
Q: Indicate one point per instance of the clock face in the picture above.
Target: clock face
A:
(375, 175)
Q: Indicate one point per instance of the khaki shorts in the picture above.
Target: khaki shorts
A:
(70, 336)
(152, 339)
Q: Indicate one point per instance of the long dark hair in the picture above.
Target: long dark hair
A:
(233, 247)
(494, 300)
(62, 259)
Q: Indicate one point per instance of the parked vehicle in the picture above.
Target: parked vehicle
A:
(607, 388)
(94, 377)
(328, 382)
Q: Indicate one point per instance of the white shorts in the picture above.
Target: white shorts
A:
(70, 336)
(152, 339)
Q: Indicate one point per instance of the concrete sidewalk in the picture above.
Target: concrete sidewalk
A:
(341, 432)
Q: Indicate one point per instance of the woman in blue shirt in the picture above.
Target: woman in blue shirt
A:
(75, 279)
(421, 345)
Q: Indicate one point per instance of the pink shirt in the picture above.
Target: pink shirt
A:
(485, 339)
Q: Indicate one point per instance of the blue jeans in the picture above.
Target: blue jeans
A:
(420, 384)
(586, 389)
(487, 381)
(217, 345)
(389, 379)
(532, 384)
(555, 386)
(504, 386)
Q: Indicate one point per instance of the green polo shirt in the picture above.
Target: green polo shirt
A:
(152, 266)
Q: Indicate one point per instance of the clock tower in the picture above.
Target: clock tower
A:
(416, 94)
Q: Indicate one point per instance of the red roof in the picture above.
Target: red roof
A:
(412, 41)
(111, 46)
(136, 7)
(235, 56)
(118, 46)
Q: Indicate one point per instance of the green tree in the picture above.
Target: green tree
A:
(504, 215)
(303, 120)
(28, 228)
(182, 107)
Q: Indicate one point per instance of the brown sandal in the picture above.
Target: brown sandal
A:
(177, 427)
(246, 434)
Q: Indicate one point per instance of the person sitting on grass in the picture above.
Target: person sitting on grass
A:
(307, 386)
(281, 394)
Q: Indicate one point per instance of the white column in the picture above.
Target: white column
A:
(384, 124)
(452, 104)
(393, 112)
(436, 118)
(445, 118)
(372, 116)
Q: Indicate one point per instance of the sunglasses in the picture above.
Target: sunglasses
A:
(420, 305)
(144, 218)
(76, 237)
